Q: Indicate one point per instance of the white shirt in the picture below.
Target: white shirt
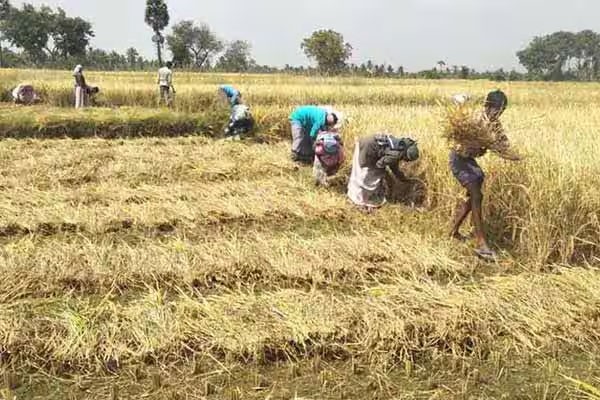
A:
(165, 77)
(239, 112)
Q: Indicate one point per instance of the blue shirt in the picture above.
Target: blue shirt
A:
(311, 118)
(231, 92)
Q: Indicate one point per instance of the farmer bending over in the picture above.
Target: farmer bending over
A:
(241, 122)
(92, 92)
(25, 94)
(470, 175)
(372, 156)
(80, 88)
(165, 83)
(329, 156)
(307, 122)
(231, 94)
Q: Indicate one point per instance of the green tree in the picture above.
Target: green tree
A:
(132, 57)
(97, 58)
(157, 17)
(442, 66)
(5, 9)
(237, 57)
(191, 42)
(116, 61)
(464, 73)
(562, 55)
(71, 36)
(179, 50)
(29, 29)
(588, 54)
(328, 49)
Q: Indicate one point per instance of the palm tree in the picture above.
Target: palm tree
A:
(441, 65)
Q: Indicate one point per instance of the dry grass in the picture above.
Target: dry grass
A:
(137, 268)
(197, 91)
(467, 129)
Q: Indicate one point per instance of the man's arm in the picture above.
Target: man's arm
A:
(395, 168)
(314, 131)
(170, 79)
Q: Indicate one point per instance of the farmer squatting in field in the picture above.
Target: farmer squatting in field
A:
(372, 156)
(470, 175)
(165, 83)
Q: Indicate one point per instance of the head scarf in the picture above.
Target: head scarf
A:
(78, 69)
(395, 148)
(412, 152)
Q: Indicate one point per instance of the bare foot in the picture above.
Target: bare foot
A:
(486, 253)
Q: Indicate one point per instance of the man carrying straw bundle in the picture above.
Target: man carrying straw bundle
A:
(372, 156)
(473, 137)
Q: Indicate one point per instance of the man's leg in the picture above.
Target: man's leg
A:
(463, 210)
(78, 94)
(169, 97)
(299, 146)
(320, 173)
(476, 196)
(164, 96)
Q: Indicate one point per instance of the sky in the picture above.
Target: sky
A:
(483, 34)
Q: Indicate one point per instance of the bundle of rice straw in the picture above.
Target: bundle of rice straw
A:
(471, 133)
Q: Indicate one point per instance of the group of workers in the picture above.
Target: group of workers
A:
(25, 94)
(241, 121)
(316, 140)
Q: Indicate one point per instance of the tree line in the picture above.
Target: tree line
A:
(49, 38)
(563, 56)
